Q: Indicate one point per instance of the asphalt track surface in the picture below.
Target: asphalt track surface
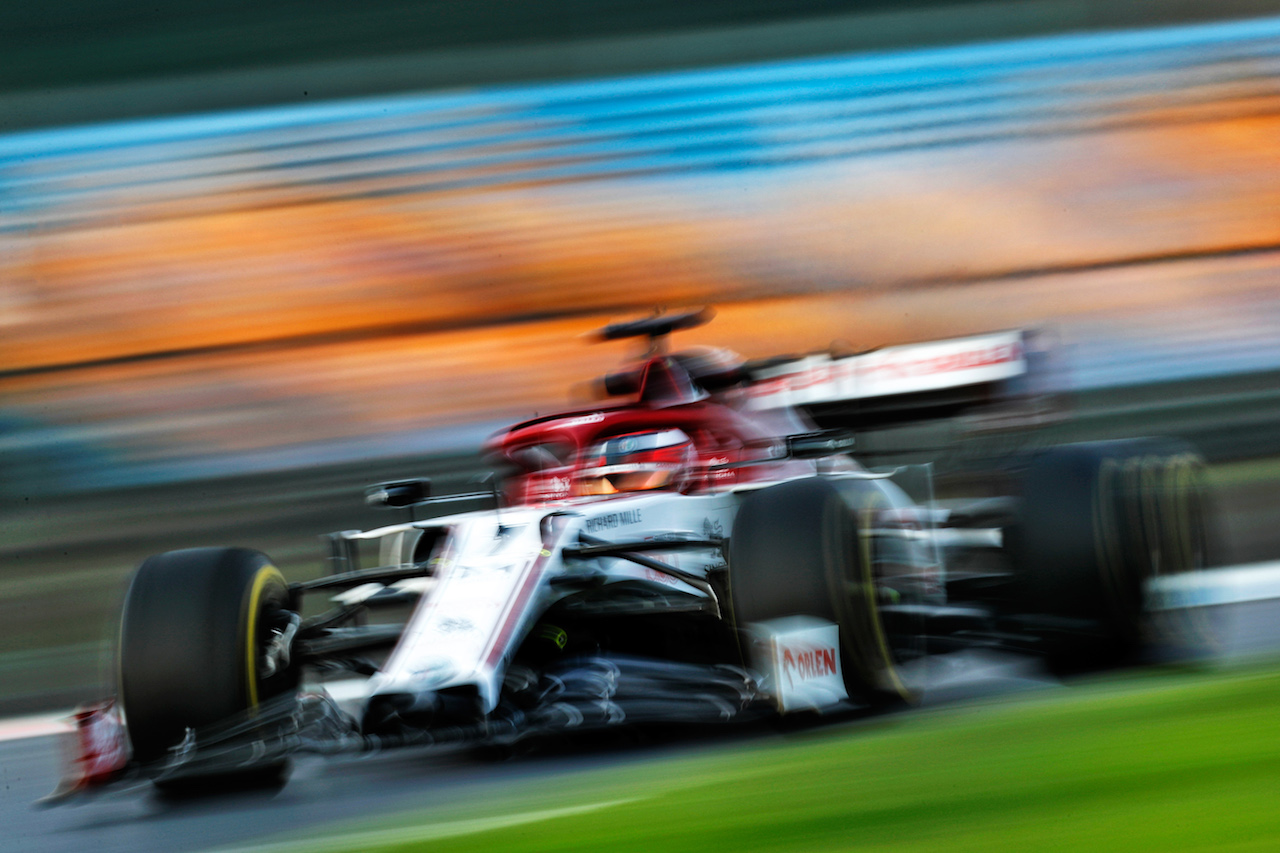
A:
(333, 791)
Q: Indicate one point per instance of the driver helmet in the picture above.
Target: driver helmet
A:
(635, 462)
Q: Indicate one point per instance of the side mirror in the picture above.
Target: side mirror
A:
(398, 494)
(815, 445)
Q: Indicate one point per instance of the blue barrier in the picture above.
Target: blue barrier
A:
(762, 116)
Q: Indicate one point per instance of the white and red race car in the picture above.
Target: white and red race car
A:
(691, 551)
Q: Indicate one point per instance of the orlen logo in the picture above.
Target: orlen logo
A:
(806, 662)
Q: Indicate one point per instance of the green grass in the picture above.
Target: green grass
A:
(1165, 761)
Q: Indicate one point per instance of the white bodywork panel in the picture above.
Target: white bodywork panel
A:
(490, 568)
(907, 369)
(493, 574)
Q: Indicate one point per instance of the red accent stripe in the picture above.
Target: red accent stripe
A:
(516, 611)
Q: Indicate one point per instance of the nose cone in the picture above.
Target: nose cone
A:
(402, 713)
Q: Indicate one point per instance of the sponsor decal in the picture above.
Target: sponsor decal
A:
(514, 612)
(658, 577)
(949, 362)
(720, 474)
(612, 520)
(805, 663)
(550, 488)
(431, 673)
(895, 370)
(102, 744)
(584, 420)
(801, 661)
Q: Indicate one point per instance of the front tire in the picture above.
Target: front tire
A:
(798, 549)
(192, 640)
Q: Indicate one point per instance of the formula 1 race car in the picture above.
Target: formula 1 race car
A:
(690, 550)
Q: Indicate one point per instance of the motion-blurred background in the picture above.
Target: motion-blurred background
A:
(253, 256)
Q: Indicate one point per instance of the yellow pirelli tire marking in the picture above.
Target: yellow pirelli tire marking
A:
(261, 578)
(1170, 488)
(1188, 628)
(1135, 496)
(1187, 487)
(873, 500)
(1145, 512)
(1121, 504)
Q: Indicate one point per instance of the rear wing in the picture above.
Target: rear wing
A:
(995, 381)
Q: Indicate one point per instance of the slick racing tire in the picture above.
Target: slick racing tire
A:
(195, 627)
(797, 549)
(1097, 520)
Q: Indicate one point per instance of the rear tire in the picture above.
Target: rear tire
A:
(1096, 521)
(195, 625)
(797, 549)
